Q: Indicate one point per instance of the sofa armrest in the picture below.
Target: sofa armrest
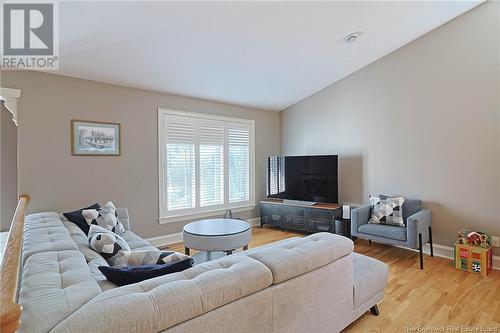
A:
(419, 223)
(359, 216)
(123, 217)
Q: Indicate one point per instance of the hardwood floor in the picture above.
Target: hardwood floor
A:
(439, 298)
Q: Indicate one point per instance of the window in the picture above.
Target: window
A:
(275, 175)
(206, 164)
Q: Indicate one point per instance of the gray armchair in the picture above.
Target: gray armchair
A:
(418, 229)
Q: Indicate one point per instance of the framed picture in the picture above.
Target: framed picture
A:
(95, 138)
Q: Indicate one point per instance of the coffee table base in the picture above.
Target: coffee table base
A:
(204, 256)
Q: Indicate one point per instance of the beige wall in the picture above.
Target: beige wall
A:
(8, 168)
(58, 181)
(423, 121)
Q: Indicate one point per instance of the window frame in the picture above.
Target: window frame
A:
(200, 212)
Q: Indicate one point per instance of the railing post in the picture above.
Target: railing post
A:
(10, 311)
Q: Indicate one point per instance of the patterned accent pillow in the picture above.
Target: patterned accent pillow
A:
(105, 217)
(387, 210)
(108, 244)
(141, 258)
(77, 218)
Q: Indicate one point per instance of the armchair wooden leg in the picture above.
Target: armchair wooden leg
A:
(430, 241)
(374, 310)
(420, 249)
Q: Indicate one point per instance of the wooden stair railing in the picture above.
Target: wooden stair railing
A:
(10, 310)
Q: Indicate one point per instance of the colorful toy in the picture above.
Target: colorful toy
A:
(473, 259)
(473, 252)
(485, 240)
(473, 238)
(461, 239)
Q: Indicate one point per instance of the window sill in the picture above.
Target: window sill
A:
(213, 213)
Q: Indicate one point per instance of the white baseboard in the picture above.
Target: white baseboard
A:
(162, 241)
(448, 253)
(254, 222)
(165, 240)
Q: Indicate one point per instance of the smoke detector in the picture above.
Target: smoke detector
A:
(351, 38)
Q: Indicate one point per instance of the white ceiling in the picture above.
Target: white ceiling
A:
(268, 55)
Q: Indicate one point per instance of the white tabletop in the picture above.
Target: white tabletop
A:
(216, 227)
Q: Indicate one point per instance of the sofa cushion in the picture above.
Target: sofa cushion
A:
(77, 218)
(81, 240)
(53, 285)
(123, 217)
(94, 267)
(44, 232)
(386, 231)
(102, 281)
(171, 299)
(133, 274)
(297, 256)
(136, 243)
(369, 278)
(42, 220)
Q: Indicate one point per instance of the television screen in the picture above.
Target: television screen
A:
(307, 178)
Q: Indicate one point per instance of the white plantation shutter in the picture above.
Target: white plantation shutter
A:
(239, 162)
(272, 176)
(206, 163)
(211, 152)
(281, 172)
(275, 175)
(180, 168)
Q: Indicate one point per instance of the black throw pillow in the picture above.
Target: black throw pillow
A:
(133, 274)
(77, 218)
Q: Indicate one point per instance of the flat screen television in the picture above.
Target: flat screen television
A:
(306, 178)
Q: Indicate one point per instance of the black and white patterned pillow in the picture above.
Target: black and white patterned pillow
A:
(105, 217)
(141, 258)
(387, 210)
(77, 218)
(108, 244)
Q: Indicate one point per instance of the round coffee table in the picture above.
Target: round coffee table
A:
(216, 235)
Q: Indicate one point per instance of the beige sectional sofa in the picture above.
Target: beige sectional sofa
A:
(311, 284)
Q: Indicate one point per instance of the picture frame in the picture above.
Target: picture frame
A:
(95, 138)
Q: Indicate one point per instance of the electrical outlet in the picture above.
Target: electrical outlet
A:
(495, 241)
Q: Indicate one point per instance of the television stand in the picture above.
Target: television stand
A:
(298, 202)
(304, 217)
